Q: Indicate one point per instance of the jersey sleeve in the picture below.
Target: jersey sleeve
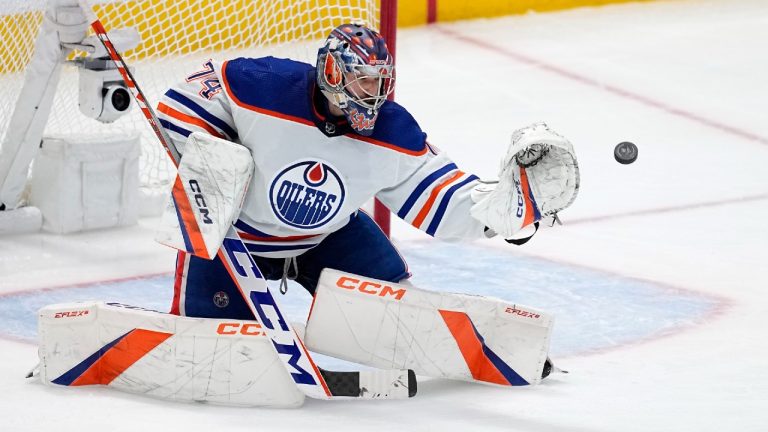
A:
(197, 105)
(434, 196)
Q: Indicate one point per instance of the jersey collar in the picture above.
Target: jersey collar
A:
(329, 124)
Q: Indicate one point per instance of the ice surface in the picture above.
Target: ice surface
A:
(594, 310)
(658, 278)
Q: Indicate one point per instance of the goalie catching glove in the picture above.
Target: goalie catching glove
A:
(539, 177)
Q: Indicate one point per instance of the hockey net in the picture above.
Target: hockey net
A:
(177, 36)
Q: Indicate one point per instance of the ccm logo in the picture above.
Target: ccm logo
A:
(520, 203)
(200, 201)
(70, 314)
(369, 287)
(516, 311)
(250, 329)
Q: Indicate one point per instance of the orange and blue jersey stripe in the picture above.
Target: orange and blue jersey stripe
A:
(443, 206)
(179, 284)
(174, 128)
(427, 207)
(259, 242)
(185, 118)
(435, 183)
(421, 187)
(203, 114)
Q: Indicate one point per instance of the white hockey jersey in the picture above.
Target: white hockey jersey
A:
(312, 171)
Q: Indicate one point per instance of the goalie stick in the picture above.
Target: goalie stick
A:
(310, 379)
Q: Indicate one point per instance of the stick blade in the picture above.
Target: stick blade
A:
(374, 384)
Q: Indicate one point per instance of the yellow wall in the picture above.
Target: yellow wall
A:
(452, 10)
(412, 12)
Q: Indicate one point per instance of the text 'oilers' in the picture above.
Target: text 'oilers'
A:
(307, 194)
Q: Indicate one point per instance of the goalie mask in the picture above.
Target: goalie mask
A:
(355, 71)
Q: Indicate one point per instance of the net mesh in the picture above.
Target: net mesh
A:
(177, 36)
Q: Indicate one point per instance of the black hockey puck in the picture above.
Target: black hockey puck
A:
(625, 153)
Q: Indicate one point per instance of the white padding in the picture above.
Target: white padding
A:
(539, 177)
(214, 174)
(86, 182)
(446, 335)
(227, 362)
(20, 221)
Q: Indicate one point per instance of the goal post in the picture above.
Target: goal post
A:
(388, 28)
(175, 37)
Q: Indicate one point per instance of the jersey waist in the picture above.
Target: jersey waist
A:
(262, 243)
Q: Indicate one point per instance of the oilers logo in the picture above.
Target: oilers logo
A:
(307, 194)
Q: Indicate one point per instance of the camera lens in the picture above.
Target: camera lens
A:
(121, 100)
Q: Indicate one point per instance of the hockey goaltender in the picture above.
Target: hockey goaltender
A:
(278, 157)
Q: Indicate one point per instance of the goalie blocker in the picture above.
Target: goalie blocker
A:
(207, 195)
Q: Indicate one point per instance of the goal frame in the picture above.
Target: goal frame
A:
(388, 28)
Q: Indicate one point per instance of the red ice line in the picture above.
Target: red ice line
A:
(672, 209)
(86, 284)
(607, 87)
(722, 305)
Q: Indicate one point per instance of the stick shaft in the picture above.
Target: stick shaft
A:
(132, 85)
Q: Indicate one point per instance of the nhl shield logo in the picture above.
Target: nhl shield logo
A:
(307, 194)
(221, 299)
